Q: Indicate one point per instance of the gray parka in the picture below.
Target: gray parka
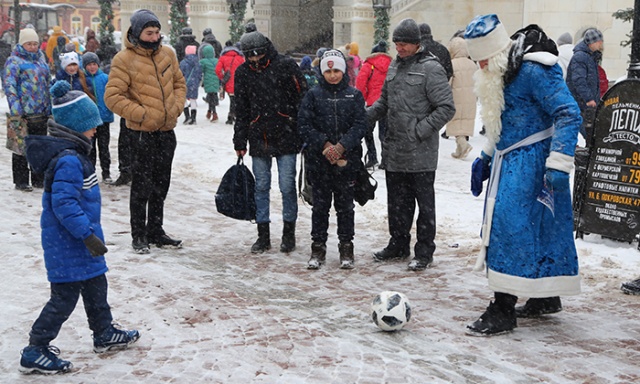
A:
(417, 99)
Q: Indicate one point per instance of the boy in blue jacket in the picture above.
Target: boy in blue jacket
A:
(72, 236)
(97, 83)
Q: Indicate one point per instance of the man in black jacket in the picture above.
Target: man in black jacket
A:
(268, 91)
(186, 39)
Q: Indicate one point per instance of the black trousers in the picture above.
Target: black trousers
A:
(152, 155)
(403, 191)
(36, 125)
(63, 300)
(101, 141)
(124, 147)
(372, 154)
(327, 183)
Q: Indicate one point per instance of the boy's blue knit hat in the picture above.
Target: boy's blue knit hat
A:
(73, 109)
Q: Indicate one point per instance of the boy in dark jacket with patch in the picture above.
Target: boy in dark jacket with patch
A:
(332, 122)
(72, 236)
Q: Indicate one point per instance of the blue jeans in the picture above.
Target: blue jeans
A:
(286, 181)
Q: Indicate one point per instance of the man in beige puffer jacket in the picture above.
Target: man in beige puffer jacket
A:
(147, 88)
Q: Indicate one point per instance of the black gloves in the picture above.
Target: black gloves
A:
(95, 245)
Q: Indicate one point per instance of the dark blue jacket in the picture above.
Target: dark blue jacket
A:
(582, 75)
(335, 114)
(70, 205)
(190, 67)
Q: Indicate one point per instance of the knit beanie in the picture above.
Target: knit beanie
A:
(68, 58)
(486, 37)
(380, 47)
(254, 43)
(73, 109)
(407, 32)
(90, 57)
(28, 35)
(565, 38)
(305, 63)
(321, 52)
(592, 36)
(190, 50)
(141, 19)
(425, 30)
(333, 59)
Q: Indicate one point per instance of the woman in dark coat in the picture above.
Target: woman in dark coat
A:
(332, 123)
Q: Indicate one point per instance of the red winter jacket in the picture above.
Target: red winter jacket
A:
(604, 82)
(230, 59)
(371, 76)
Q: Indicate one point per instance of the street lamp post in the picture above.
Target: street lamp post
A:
(381, 24)
(634, 64)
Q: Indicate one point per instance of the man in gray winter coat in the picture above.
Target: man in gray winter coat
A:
(417, 99)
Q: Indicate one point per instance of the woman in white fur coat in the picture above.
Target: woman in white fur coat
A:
(461, 126)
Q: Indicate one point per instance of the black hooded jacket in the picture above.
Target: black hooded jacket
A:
(267, 100)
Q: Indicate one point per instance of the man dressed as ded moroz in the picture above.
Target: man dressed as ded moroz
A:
(147, 88)
(532, 124)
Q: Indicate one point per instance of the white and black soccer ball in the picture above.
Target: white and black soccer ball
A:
(390, 310)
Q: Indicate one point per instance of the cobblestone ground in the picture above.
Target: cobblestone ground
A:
(214, 313)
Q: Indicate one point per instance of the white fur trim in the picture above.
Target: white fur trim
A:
(484, 47)
(541, 287)
(560, 161)
(544, 58)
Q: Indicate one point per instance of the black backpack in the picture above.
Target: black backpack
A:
(235, 197)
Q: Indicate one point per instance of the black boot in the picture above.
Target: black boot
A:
(264, 239)
(288, 237)
(631, 287)
(393, 251)
(192, 120)
(318, 255)
(499, 318)
(187, 116)
(346, 254)
(123, 179)
(536, 307)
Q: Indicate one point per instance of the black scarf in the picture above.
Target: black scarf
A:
(529, 39)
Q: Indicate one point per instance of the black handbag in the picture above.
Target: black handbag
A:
(235, 197)
(365, 186)
(304, 187)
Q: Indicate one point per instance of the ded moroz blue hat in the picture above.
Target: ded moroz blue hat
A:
(486, 37)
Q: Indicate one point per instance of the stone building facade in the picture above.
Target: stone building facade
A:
(297, 24)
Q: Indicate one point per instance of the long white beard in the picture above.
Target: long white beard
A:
(489, 88)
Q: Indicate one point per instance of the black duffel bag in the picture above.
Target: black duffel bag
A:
(365, 187)
(235, 197)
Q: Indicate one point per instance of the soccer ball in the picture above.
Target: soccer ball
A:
(390, 311)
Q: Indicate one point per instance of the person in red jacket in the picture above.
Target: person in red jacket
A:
(369, 81)
(230, 59)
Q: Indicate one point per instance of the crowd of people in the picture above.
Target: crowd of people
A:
(322, 108)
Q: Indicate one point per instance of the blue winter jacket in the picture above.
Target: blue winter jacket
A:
(335, 114)
(70, 206)
(190, 67)
(97, 84)
(74, 80)
(26, 81)
(582, 75)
